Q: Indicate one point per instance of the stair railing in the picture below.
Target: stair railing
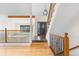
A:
(59, 44)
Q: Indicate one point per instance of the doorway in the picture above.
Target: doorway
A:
(41, 30)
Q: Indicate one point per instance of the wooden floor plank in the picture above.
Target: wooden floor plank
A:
(36, 49)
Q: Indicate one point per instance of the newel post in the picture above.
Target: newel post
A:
(5, 35)
(66, 45)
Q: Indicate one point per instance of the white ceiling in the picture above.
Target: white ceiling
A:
(23, 8)
(38, 8)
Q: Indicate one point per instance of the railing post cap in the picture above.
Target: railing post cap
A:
(66, 34)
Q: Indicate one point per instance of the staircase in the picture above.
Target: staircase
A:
(67, 51)
(51, 10)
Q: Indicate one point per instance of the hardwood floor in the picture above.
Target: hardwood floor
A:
(36, 49)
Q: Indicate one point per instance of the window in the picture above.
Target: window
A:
(25, 28)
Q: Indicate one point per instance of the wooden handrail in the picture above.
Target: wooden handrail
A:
(10, 30)
(74, 48)
(58, 35)
(69, 50)
(66, 45)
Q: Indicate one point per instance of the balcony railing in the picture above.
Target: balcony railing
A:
(14, 36)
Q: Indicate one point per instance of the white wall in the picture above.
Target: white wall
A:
(35, 9)
(41, 18)
(12, 23)
(15, 9)
(67, 20)
(34, 26)
(74, 52)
